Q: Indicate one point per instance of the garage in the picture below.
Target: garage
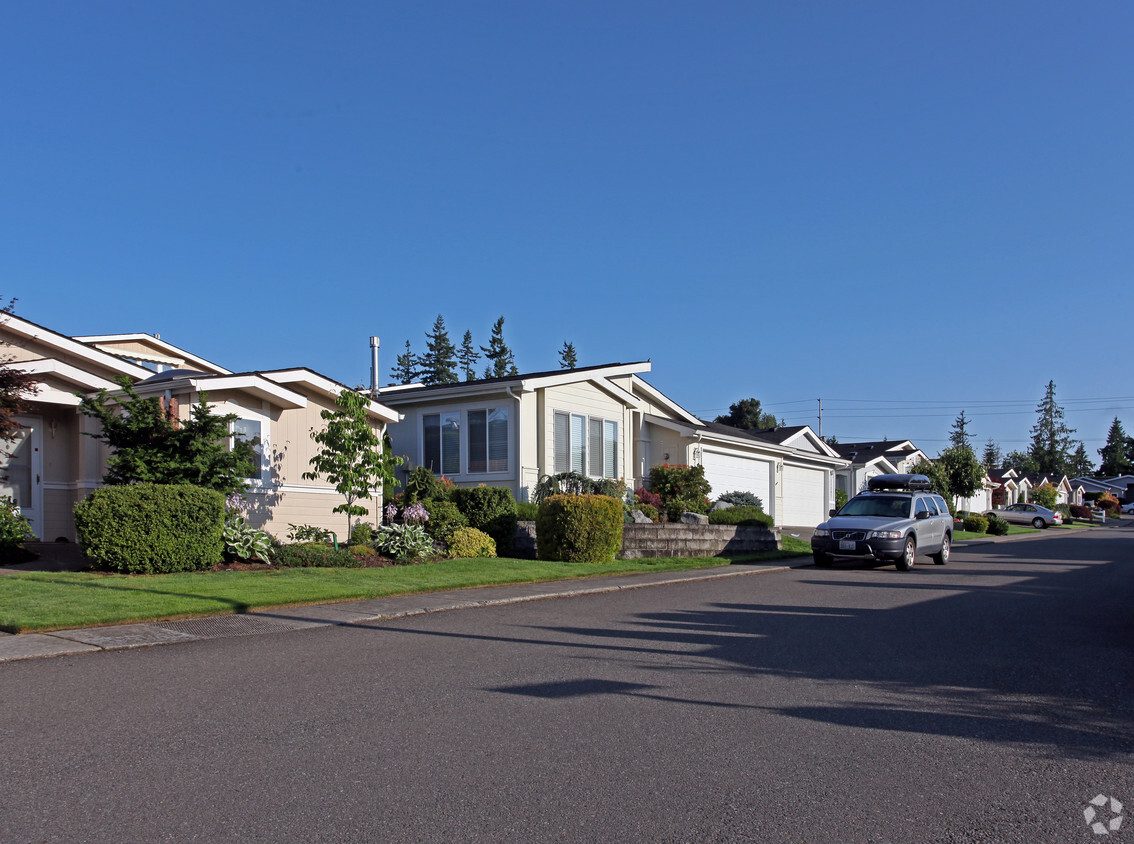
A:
(805, 496)
(736, 473)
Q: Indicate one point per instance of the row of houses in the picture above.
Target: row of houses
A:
(602, 421)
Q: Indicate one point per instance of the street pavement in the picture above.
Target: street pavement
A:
(984, 701)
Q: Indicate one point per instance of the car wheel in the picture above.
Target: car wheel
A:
(942, 556)
(1038, 523)
(906, 562)
(822, 560)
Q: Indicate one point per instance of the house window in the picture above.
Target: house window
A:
(248, 439)
(488, 440)
(441, 442)
(586, 446)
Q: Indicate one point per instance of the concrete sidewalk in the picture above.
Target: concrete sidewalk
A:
(118, 637)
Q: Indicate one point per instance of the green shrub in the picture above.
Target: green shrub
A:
(444, 518)
(650, 511)
(841, 498)
(997, 526)
(362, 551)
(674, 507)
(423, 484)
(491, 509)
(14, 529)
(404, 543)
(572, 483)
(526, 511)
(579, 528)
(1110, 504)
(315, 555)
(1044, 495)
(470, 542)
(976, 524)
(679, 482)
(308, 533)
(741, 499)
(152, 528)
(362, 534)
(740, 516)
(1065, 509)
(1081, 512)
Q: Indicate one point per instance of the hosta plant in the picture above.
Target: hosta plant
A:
(404, 543)
(245, 542)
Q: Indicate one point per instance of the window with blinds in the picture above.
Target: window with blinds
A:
(441, 442)
(485, 441)
(488, 440)
(585, 445)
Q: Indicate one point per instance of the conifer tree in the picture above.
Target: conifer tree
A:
(500, 360)
(991, 458)
(567, 357)
(1051, 438)
(959, 436)
(439, 363)
(467, 356)
(406, 370)
(1081, 464)
(1117, 452)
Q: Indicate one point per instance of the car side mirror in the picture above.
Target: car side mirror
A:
(832, 512)
(924, 514)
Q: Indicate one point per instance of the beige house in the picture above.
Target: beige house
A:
(52, 465)
(604, 422)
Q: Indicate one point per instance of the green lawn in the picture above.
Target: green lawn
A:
(1014, 530)
(37, 601)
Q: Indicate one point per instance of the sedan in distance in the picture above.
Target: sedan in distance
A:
(1027, 514)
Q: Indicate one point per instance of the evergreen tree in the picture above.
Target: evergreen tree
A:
(1051, 438)
(1081, 464)
(439, 363)
(467, 356)
(748, 415)
(1116, 453)
(1021, 461)
(407, 369)
(567, 357)
(959, 436)
(991, 459)
(498, 355)
(151, 445)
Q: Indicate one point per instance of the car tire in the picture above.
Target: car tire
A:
(942, 556)
(822, 560)
(909, 554)
(1038, 523)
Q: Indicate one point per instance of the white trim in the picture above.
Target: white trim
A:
(254, 385)
(615, 392)
(45, 394)
(72, 486)
(50, 366)
(330, 388)
(60, 341)
(657, 396)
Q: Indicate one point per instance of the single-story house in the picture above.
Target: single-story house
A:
(979, 501)
(52, 464)
(601, 421)
(867, 460)
(1120, 486)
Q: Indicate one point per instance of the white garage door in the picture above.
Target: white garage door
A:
(732, 473)
(805, 501)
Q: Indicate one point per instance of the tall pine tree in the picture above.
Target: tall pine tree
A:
(567, 357)
(1116, 453)
(500, 360)
(406, 369)
(467, 356)
(1081, 464)
(959, 436)
(1051, 438)
(439, 363)
(991, 458)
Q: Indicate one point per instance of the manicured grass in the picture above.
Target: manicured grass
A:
(38, 601)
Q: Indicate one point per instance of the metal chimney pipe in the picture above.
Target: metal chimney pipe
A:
(374, 367)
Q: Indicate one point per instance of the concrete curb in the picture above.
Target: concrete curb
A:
(125, 636)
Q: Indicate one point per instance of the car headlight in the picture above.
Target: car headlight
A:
(822, 532)
(886, 534)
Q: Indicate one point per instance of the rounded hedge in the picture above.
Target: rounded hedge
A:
(470, 542)
(975, 523)
(579, 528)
(152, 528)
(740, 516)
(997, 526)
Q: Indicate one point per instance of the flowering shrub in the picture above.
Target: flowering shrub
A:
(684, 482)
(646, 497)
(1109, 503)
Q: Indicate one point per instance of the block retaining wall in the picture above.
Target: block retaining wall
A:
(674, 540)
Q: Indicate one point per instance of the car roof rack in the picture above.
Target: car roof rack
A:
(920, 483)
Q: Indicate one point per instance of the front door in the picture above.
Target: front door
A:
(21, 471)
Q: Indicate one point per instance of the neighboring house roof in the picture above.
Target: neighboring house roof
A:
(151, 348)
(795, 437)
(865, 453)
(400, 394)
(53, 339)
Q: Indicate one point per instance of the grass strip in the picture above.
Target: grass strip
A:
(40, 601)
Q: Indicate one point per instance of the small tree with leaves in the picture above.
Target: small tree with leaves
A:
(467, 357)
(748, 415)
(567, 357)
(501, 362)
(406, 370)
(351, 456)
(149, 444)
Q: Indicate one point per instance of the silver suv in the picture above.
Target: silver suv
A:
(897, 518)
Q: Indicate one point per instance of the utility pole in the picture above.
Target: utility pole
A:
(820, 418)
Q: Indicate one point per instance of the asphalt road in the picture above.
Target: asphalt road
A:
(986, 701)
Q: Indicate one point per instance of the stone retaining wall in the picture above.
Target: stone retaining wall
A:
(675, 540)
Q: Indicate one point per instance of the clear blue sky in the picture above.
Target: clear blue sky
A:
(906, 209)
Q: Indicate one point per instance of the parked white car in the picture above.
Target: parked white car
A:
(1027, 514)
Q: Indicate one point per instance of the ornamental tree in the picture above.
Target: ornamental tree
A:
(748, 415)
(351, 456)
(149, 444)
